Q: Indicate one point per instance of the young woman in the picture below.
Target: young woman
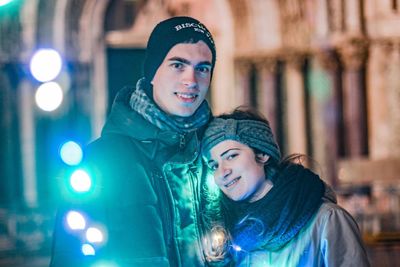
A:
(277, 213)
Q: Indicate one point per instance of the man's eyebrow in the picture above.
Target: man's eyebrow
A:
(179, 59)
(185, 61)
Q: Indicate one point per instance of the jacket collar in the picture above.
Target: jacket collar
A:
(125, 121)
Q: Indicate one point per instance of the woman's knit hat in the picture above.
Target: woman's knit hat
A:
(170, 32)
(253, 133)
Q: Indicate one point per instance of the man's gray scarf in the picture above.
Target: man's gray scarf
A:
(142, 104)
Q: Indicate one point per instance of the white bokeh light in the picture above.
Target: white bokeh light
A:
(80, 181)
(94, 235)
(46, 65)
(71, 153)
(88, 250)
(5, 2)
(49, 96)
(75, 220)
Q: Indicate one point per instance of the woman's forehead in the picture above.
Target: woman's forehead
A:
(226, 145)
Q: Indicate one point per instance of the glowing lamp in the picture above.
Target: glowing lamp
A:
(71, 153)
(49, 96)
(218, 239)
(237, 248)
(80, 181)
(88, 250)
(75, 220)
(94, 235)
(45, 65)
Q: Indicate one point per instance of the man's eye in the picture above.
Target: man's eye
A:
(177, 65)
(203, 69)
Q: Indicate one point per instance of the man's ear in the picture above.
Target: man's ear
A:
(262, 158)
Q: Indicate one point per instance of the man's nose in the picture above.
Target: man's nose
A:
(189, 79)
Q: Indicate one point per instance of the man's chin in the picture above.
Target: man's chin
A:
(185, 114)
(185, 111)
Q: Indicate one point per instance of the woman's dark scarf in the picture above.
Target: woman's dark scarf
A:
(142, 104)
(274, 220)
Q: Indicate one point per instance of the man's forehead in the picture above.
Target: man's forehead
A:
(198, 52)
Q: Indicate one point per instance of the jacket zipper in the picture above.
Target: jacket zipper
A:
(169, 231)
(196, 192)
(170, 217)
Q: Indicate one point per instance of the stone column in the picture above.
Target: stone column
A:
(353, 54)
(295, 105)
(336, 16)
(10, 167)
(27, 140)
(326, 112)
(267, 91)
(322, 27)
(242, 89)
(394, 102)
(378, 79)
(353, 16)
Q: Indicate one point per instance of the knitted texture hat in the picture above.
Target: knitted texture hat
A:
(255, 134)
(170, 32)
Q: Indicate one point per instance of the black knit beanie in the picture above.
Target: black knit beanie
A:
(170, 32)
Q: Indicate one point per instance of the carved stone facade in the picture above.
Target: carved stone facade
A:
(324, 72)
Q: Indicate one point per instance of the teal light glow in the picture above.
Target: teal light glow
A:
(80, 181)
(320, 85)
(102, 263)
(71, 153)
(75, 220)
(213, 189)
(5, 2)
(88, 250)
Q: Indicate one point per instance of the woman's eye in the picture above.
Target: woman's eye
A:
(213, 167)
(232, 156)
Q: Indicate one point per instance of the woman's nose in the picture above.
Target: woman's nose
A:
(224, 172)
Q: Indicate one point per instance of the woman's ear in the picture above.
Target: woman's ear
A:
(262, 158)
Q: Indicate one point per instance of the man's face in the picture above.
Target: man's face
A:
(183, 78)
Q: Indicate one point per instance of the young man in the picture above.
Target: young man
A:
(146, 164)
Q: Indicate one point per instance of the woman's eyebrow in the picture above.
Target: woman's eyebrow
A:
(224, 153)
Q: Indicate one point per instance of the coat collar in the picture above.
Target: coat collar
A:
(125, 121)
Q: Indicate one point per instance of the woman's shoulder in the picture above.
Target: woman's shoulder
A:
(332, 218)
(330, 209)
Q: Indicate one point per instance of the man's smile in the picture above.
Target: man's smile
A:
(187, 97)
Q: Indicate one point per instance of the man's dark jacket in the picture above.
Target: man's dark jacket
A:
(146, 196)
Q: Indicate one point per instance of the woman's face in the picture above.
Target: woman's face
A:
(238, 171)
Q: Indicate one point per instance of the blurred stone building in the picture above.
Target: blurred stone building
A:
(326, 73)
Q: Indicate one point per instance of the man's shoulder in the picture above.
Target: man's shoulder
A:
(110, 143)
(113, 148)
